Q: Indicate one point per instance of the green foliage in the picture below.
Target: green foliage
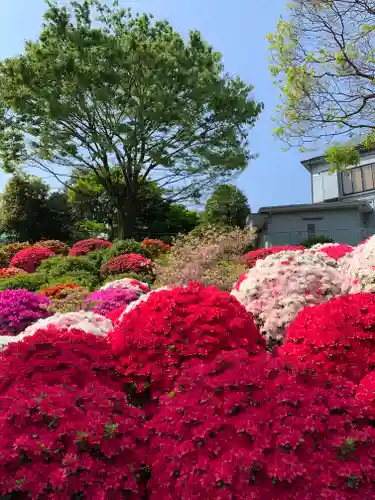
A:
(120, 247)
(60, 265)
(162, 105)
(325, 74)
(314, 240)
(342, 156)
(31, 282)
(228, 206)
(83, 278)
(30, 211)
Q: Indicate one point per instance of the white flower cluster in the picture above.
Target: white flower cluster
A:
(274, 292)
(297, 258)
(132, 284)
(359, 267)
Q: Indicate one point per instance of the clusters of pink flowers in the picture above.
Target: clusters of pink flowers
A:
(9, 272)
(128, 283)
(29, 258)
(83, 247)
(19, 309)
(334, 250)
(251, 258)
(127, 263)
(282, 284)
(105, 301)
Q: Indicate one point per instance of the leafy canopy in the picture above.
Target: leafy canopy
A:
(227, 206)
(323, 63)
(102, 87)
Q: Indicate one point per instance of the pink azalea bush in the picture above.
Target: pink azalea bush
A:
(19, 309)
(128, 283)
(29, 258)
(105, 301)
(281, 285)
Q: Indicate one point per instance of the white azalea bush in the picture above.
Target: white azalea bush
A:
(132, 284)
(277, 289)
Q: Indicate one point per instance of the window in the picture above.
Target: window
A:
(358, 179)
(310, 229)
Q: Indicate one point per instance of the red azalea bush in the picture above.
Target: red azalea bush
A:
(127, 263)
(337, 337)
(9, 272)
(19, 309)
(60, 291)
(66, 431)
(29, 258)
(336, 251)
(171, 326)
(155, 247)
(84, 247)
(365, 394)
(57, 246)
(250, 258)
(242, 428)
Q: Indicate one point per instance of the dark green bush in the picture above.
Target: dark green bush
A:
(82, 278)
(31, 282)
(314, 240)
(125, 246)
(59, 266)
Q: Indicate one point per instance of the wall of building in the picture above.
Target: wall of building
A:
(344, 226)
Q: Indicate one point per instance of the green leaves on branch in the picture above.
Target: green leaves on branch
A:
(227, 206)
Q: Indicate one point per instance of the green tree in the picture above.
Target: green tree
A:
(228, 206)
(102, 87)
(323, 63)
(28, 210)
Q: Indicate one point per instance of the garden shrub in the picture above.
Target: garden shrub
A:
(12, 248)
(105, 301)
(73, 301)
(167, 327)
(81, 278)
(67, 430)
(30, 258)
(337, 337)
(84, 247)
(282, 284)
(211, 256)
(250, 258)
(4, 258)
(144, 277)
(60, 266)
(9, 272)
(58, 247)
(127, 263)
(334, 250)
(155, 247)
(59, 291)
(315, 240)
(31, 282)
(121, 247)
(19, 309)
(85, 321)
(127, 283)
(365, 395)
(240, 428)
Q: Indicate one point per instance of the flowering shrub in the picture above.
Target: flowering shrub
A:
(155, 247)
(128, 283)
(31, 282)
(105, 301)
(281, 285)
(30, 258)
(73, 300)
(170, 326)
(19, 309)
(9, 272)
(59, 291)
(337, 337)
(66, 429)
(86, 321)
(240, 428)
(121, 247)
(333, 250)
(250, 258)
(130, 262)
(84, 247)
(365, 394)
(12, 248)
(57, 246)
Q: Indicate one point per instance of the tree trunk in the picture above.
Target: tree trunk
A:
(126, 218)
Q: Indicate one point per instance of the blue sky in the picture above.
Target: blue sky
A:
(237, 29)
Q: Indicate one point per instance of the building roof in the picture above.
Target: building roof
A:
(362, 206)
(316, 160)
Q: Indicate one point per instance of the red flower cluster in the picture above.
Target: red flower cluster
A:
(337, 251)
(65, 429)
(366, 394)
(57, 246)
(84, 247)
(9, 272)
(172, 326)
(29, 258)
(59, 291)
(250, 258)
(248, 429)
(126, 263)
(337, 337)
(155, 247)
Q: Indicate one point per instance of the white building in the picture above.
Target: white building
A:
(342, 208)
